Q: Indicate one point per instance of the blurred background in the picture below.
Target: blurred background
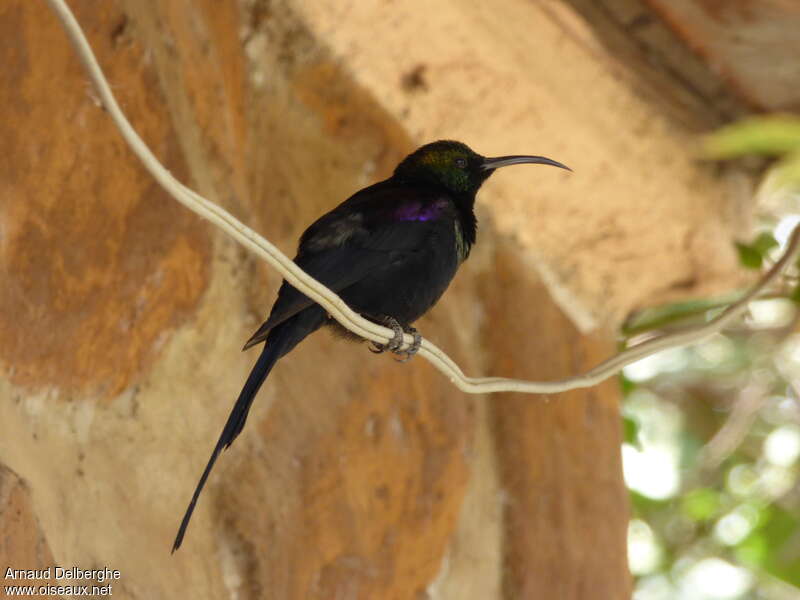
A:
(712, 432)
(122, 315)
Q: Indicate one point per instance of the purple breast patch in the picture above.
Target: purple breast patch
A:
(417, 211)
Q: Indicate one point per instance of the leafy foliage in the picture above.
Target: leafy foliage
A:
(712, 432)
(753, 255)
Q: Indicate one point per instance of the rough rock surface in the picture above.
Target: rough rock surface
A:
(752, 45)
(122, 314)
(23, 545)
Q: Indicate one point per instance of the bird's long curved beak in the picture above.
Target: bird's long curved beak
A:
(507, 161)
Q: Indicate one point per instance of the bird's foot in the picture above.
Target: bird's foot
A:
(409, 352)
(394, 344)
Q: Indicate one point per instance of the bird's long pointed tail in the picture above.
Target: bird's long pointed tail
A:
(280, 341)
(234, 424)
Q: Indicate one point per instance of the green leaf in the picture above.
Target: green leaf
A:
(701, 504)
(630, 430)
(773, 545)
(642, 505)
(659, 316)
(764, 243)
(749, 256)
(626, 385)
(753, 550)
(770, 135)
(795, 295)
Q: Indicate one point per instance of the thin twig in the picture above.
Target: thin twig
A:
(729, 437)
(337, 308)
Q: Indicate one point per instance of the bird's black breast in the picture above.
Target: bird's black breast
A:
(404, 242)
(390, 250)
(409, 281)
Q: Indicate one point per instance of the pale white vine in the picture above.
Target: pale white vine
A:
(337, 308)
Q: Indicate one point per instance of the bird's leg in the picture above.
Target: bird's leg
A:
(393, 344)
(413, 348)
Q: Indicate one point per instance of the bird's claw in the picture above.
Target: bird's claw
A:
(394, 344)
(409, 352)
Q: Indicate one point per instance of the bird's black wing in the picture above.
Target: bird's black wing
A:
(348, 244)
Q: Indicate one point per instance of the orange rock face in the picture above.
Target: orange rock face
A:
(99, 264)
(23, 544)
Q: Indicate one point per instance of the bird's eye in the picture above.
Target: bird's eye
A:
(461, 163)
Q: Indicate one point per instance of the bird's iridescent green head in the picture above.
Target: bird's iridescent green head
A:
(456, 167)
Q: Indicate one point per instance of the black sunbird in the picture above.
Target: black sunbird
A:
(389, 251)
